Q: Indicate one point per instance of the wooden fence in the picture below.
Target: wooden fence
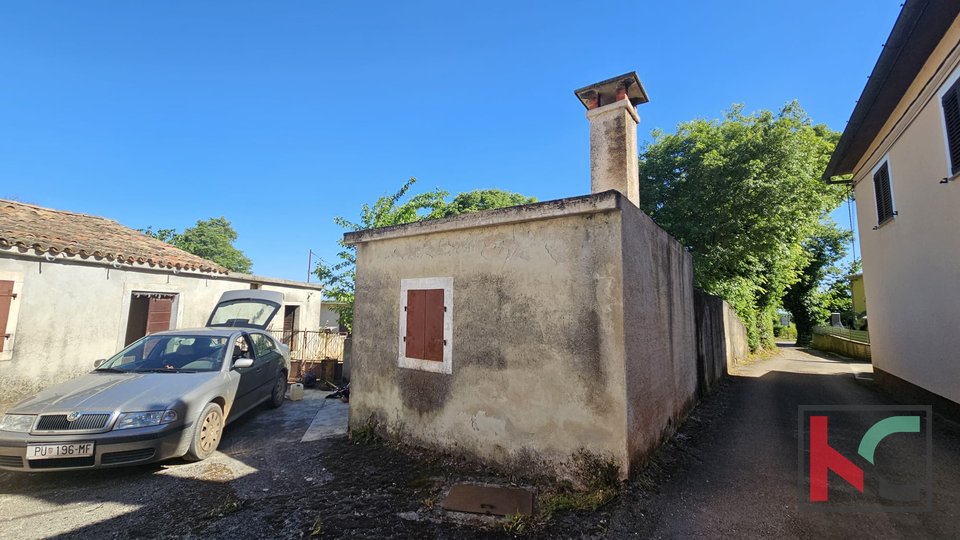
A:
(853, 335)
(312, 345)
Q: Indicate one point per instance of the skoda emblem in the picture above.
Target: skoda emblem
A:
(72, 417)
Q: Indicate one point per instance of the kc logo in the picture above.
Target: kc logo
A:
(882, 452)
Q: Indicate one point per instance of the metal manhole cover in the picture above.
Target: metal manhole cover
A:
(495, 500)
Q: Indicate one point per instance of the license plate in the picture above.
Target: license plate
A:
(54, 451)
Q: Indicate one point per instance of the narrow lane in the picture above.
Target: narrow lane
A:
(732, 471)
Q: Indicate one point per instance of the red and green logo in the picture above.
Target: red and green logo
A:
(879, 456)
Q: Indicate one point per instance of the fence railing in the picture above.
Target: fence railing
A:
(854, 335)
(312, 345)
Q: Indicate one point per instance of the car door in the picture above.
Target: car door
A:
(271, 359)
(251, 378)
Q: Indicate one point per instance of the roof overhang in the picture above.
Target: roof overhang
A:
(918, 30)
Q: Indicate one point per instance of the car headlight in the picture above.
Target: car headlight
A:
(145, 419)
(19, 423)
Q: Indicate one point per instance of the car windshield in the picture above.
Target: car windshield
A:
(170, 353)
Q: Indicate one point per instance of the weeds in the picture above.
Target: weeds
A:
(317, 528)
(516, 523)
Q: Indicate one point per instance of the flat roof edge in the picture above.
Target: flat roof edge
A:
(606, 201)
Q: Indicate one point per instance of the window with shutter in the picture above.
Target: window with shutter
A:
(6, 300)
(426, 322)
(951, 120)
(884, 193)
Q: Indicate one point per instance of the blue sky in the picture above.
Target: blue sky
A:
(282, 115)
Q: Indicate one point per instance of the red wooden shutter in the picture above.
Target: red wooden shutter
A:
(416, 310)
(158, 314)
(6, 298)
(424, 337)
(433, 325)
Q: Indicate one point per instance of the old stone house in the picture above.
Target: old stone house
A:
(75, 288)
(526, 336)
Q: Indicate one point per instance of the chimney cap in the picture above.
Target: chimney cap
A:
(607, 91)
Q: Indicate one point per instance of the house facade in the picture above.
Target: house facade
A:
(75, 288)
(902, 148)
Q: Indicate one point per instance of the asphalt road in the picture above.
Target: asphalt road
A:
(732, 472)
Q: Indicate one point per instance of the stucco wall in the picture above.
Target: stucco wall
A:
(70, 314)
(574, 331)
(660, 331)
(735, 337)
(537, 341)
(911, 264)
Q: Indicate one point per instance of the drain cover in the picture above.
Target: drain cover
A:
(496, 500)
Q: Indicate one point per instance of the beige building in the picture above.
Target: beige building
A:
(902, 147)
(528, 335)
(75, 288)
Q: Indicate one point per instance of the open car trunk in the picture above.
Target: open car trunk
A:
(248, 308)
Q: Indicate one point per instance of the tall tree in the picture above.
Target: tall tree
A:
(211, 239)
(392, 210)
(742, 193)
(810, 298)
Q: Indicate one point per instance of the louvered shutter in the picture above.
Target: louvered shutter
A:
(883, 192)
(951, 117)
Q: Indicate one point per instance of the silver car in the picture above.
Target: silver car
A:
(166, 395)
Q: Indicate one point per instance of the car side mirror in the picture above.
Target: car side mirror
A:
(98, 363)
(243, 363)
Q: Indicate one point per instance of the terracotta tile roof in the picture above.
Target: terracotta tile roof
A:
(54, 231)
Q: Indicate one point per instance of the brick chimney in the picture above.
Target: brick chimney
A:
(612, 112)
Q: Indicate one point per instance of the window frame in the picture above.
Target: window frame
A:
(446, 365)
(881, 221)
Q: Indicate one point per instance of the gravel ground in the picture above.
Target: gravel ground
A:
(729, 472)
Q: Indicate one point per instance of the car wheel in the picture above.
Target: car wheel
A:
(206, 434)
(279, 391)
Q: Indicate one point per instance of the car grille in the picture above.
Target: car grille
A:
(127, 456)
(11, 461)
(61, 463)
(59, 422)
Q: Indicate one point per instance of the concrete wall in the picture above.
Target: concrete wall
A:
(68, 314)
(721, 339)
(572, 329)
(840, 345)
(660, 331)
(537, 342)
(911, 264)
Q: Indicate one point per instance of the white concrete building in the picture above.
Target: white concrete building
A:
(75, 288)
(902, 147)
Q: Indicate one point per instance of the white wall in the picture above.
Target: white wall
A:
(911, 264)
(67, 314)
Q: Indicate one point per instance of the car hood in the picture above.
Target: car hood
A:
(127, 392)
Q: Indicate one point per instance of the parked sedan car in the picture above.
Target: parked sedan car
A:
(166, 395)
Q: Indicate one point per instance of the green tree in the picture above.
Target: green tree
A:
(811, 298)
(211, 239)
(392, 210)
(742, 193)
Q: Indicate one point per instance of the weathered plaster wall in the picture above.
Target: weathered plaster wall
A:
(721, 339)
(69, 314)
(735, 337)
(537, 339)
(660, 331)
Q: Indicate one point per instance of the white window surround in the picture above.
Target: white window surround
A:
(947, 84)
(13, 315)
(445, 283)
